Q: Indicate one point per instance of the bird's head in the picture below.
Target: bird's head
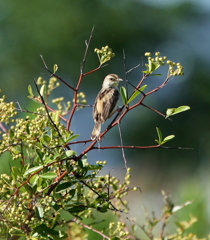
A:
(111, 80)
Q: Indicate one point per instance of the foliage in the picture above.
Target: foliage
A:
(54, 189)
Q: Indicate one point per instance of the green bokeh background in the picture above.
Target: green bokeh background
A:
(179, 29)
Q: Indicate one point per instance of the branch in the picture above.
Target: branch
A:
(54, 75)
(48, 115)
(27, 181)
(87, 43)
(93, 229)
(49, 108)
(121, 142)
(143, 147)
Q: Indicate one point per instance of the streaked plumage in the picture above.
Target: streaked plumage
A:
(105, 103)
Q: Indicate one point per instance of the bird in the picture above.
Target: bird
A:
(105, 103)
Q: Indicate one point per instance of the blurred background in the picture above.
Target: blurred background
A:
(178, 29)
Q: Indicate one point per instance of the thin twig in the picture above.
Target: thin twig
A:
(45, 115)
(113, 207)
(87, 43)
(92, 229)
(126, 73)
(121, 142)
(54, 75)
(131, 69)
(27, 180)
(48, 114)
(155, 111)
(2, 127)
(143, 147)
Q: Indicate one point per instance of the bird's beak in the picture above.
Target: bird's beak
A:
(119, 79)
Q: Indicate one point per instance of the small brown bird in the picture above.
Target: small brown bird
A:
(105, 103)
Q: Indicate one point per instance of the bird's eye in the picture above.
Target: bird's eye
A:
(111, 78)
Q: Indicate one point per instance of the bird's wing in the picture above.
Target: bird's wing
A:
(105, 104)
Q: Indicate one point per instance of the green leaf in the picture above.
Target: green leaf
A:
(55, 68)
(146, 72)
(25, 168)
(94, 167)
(43, 230)
(173, 111)
(115, 238)
(55, 117)
(104, 208)
(11, 133)
(45, 138)
(32, 170)
(70, 153)
(72, 193)
(48, 175)
(14, 173)
(63, 186)
(30, 91)
(40, 154)
(17, 232)
(72, 138)
(42, 90)
(136, 93)
(40, 211)
(168, 138)
(34, 180)
(156, 74)
(159, 136)
(77, 209)
(123, 95)
(152, 66)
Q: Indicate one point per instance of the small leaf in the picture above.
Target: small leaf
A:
(14, 173)
(30, 91)
(40, 211)
(136, 93)
(45, 138)
(159, 136)
(33, 169)
(153, 66)
(72, 193)
(72, 138)
(55, 68)
(42, 229)
(34, 180)
(11, 133)
(48, 175)
(40, 154)
(173, 111)
(168, 138)
(104, 208)
(94, 167)
(123, 95)
(63, 186)
(42, 90)
(55, 117)
(70, 153)
(77, 209)
(115, 238)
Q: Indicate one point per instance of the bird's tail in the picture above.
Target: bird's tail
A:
(96, 131)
